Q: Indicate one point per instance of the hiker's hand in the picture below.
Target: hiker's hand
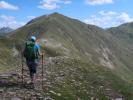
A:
(42, 54)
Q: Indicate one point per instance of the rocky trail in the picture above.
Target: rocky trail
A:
(12, 88)
(62, 80)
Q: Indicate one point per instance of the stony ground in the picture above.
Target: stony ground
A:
(58, 83)
(12, 87)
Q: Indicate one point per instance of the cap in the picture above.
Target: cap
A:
(33, 38)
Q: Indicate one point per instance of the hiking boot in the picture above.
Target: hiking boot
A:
(32, 86)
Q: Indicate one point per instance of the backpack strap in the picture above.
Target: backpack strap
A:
(36, 48)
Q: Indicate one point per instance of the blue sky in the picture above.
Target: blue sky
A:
(103, 13)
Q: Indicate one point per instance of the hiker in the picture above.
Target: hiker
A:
(31, 54)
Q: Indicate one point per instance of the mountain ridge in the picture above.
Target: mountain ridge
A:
(76, 39)
(98, 55)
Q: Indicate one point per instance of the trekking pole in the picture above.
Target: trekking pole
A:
(22, 70)
(42, 71)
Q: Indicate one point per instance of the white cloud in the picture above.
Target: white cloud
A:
(67, 2)
(31, 17)
(98, 2)
(109, 13)
(124, 17)
(10, 21)
(108, 19)
(6, 5)
(52, 4)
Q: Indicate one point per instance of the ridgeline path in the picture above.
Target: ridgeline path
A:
(63, 79)
(12, 88)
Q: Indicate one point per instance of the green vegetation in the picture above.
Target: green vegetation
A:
(104, 65)
(8, 56)
(75, 79)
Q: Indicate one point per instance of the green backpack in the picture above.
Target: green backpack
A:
(29, 51)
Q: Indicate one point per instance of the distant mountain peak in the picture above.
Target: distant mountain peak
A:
(55, 13)
(52, 15)
(5, 30)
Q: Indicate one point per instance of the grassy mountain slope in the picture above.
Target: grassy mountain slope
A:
(63, 36)
(8, 54)
(98, 56)
(123, 36)
(78, 80)
(75, 37)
